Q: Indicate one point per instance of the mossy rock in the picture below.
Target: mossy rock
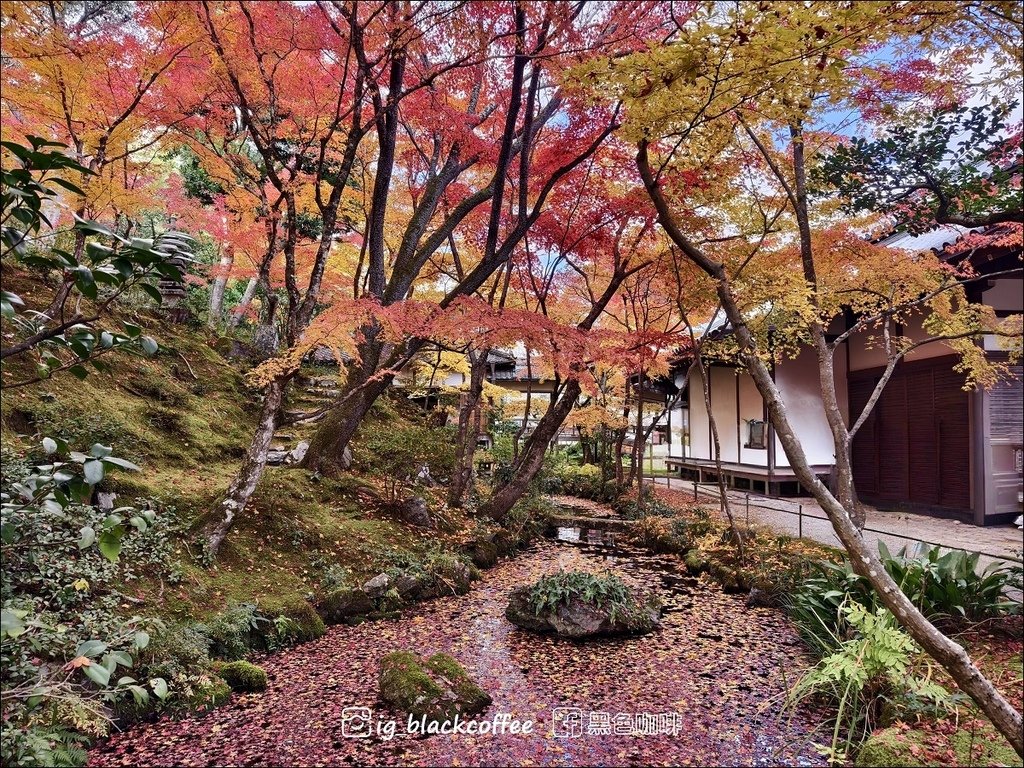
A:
(576, 617)
(483, 553)
(437, 688)
(894, 747)
(342, 604)
(206, 694)
(243, 676)
(695, 564)
(306, 622)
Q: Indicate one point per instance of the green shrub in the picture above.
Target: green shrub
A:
(177, 650)
(439, 570)
(292, 621)
(201, 694)
(632, 508)
(864, 672)
(243, 677)
(584, 480)
(402, 447)
(236, 631)
(939, 584)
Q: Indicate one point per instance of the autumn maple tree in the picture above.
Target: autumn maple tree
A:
(758, 83)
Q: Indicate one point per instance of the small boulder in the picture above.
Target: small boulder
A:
(377, 586)
(577, 618)
(437, 688)
(423, 477)
(460, 576)
(298, 453)
(408, 587)
(276, 457)
(342, 604)
(243, 676)
(414, 512)
(484, 554)
(520, 612)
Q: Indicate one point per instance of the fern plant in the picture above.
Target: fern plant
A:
(865, 671)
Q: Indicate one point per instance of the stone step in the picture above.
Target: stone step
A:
(328, 391)
(322, 381)
(296, 416)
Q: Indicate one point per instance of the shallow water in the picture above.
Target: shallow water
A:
(714, 672)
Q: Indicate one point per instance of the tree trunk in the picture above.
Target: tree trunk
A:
(249, 473)
(724, 505)
(220, 283)
(468, 430)
(531, 458)
(953, 658)
(239, 311)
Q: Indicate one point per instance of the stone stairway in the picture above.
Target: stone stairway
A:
(310, 396)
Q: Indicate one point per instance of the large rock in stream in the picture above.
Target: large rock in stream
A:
(437, 688)
(578, 618)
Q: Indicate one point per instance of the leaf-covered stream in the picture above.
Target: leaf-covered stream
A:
(716, 668)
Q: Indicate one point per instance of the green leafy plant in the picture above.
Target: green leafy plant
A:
(583, 480)
(942, 584)
(401, 448)
(557, 589)
(102, 268)
(864, 671)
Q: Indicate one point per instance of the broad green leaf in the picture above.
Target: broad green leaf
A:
(91, 648)
(121, 463)
(11, 623)
(93, 470)
(88, 537)
(98, 674)
(159, 686)
(110, 545)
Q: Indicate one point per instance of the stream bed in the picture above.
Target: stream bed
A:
(704, 689)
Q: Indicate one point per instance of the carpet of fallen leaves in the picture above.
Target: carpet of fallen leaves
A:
(721, 666)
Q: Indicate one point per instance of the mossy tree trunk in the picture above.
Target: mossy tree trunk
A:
(248, 476)
(469, 429)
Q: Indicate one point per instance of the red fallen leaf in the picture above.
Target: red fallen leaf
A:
(78, 661)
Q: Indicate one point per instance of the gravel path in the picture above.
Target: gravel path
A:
(1001, 543)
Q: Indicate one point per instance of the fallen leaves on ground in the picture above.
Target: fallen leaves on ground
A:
(721, 666)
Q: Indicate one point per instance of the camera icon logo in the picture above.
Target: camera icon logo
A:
(355, 722)
(567, 722)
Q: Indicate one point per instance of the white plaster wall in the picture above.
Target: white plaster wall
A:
(700, 431)
(1007, 295)
(863, 357)
(723, 403)
(801, 392)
